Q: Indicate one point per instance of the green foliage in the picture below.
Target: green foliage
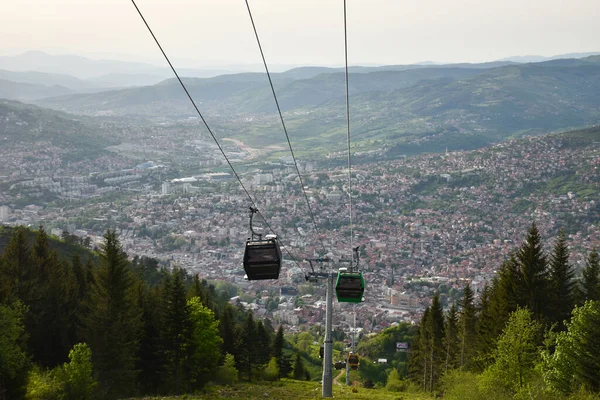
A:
(575, 361)
(516, 353)
(78, 374)
(45, 385)
(467, 334)
(227, 374)
(298, 372)
(533, 285)
(591, 277)
(271, 373)
(205, 343)
(13, 360)
(112, 321)
(561, 284)
(394, 382)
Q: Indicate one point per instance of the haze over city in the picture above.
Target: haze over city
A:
(218, 33)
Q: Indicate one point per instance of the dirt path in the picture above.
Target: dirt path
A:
(336, 380)
(253, 152)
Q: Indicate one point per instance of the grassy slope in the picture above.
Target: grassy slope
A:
(291, 390)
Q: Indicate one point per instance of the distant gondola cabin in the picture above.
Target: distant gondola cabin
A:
(262, 258)
(350, 286)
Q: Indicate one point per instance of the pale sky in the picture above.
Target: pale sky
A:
(209, 33)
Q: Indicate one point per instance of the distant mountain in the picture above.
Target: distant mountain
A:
(417, 109)
(530, 59)
(45, 78)
(27, 124)
(28, 91)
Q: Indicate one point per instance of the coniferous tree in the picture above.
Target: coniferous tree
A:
(177, 328)
(435, 328)
(112, 321)
(298, 372)
(533, 285)
(20, 275)
(591, 277)
(151, 361)
(247, 347)
(284, 362)
(263, 345)
(228, 331)
(486, 328)
(451, 344)
(561, 283)
(467, 334)
(417, 356)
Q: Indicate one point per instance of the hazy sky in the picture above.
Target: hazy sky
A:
(307, 32)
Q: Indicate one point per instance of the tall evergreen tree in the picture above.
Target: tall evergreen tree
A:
(467, 334)
(299, 372)
(112, 320)
(263, 344)
(561, 283)
(228, 330)
(591, 277)
(484, 328)
(151, 361)
(177, 327)
(532, 263)
(435, 328)
(247, 347)
(19, 272)
(451, 343)
(284, 364)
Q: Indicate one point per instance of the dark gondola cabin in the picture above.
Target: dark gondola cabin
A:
(353, 360)
(350, 286)
(262, 259)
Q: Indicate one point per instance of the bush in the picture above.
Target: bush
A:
(44, 385)
(271, 373)
(394, 383)
(227, 374)
(77, 373)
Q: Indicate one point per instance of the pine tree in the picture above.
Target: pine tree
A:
(263, 344)
(532, 291)
(228, 331)
(591, 277)
(247, 347)
(467, 335)
(451, 344)
(561, 283)
(19, 272)
(435, 329)
(177, 327)
(487, 326)
(112, 320)
(151, 362)
(298, 372)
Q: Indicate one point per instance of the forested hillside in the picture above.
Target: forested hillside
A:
(531, 333)
(96, 325)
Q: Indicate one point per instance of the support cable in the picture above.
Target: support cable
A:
(348, 129)
(312, 216)
(208, 128)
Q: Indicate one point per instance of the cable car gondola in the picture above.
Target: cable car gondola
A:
(353, 360)
(262, 257)
(350, 286)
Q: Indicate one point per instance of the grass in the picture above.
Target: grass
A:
(288, 389)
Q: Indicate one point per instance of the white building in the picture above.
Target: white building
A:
(4, 213)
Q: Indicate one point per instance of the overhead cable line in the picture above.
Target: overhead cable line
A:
(262, 54)
(348, 129)
(207, 127)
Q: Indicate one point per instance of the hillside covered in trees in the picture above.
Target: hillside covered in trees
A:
(97, 325)
(532, 333)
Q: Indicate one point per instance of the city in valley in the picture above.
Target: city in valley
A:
(423, 223)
